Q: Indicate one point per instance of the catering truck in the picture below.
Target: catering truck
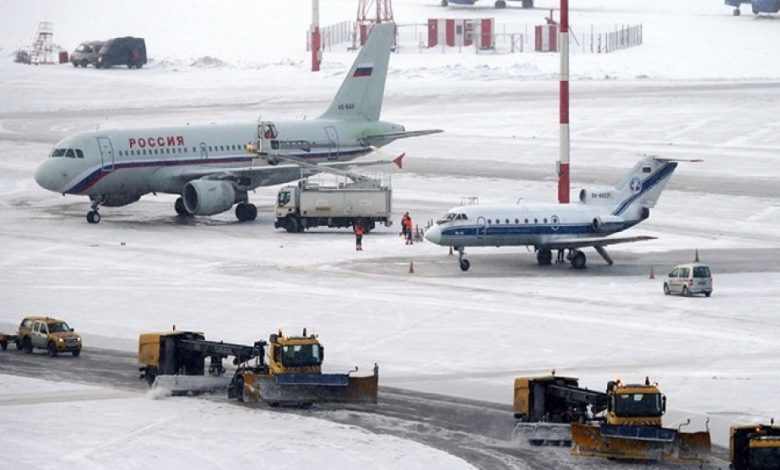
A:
(305, 205)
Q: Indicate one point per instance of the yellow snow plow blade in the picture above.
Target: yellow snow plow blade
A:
(307, 389)
(639, 443)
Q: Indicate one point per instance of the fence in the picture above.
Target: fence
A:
(508, 38)
(334, 34)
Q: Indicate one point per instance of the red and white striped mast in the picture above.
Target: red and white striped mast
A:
(563, 159)
(316, 54)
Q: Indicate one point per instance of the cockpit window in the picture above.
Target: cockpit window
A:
(58, 153)
(79, 153)
(70, 153)
(450, 216)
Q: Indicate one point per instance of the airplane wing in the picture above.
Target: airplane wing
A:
(594, 242)
(289, 169)
(379, 140)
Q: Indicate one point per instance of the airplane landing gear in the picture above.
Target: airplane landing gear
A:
(93, 216)
(737, 12)
(544, 256)
(577, 259)
(181, 210)
(464, 263)
(246, 212)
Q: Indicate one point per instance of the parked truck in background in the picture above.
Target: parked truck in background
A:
(309, 204)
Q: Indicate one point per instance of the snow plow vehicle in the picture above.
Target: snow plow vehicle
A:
(754, 447)
(623, 423)
(175, 362)
(293, 376)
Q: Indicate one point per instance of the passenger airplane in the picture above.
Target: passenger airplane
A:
(599, 213)
(212, 167)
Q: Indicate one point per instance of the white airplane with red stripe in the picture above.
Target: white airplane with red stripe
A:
(213, 167)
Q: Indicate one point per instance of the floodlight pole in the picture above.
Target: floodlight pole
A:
(563, 161)
(316, 53)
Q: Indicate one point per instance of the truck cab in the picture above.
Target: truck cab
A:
(295, 354)
(635, 405)
(754, 447)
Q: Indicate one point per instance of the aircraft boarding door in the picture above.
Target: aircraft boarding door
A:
(267, 138)
(333, 142)
(204, 151)
(481, 227)
(106, 154)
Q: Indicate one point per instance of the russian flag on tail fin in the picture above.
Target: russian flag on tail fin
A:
(363, 70)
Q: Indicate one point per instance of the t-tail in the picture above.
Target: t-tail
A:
(639, 191)
(361, 93)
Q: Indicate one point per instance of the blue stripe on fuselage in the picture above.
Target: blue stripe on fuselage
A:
(100, 172)
(532, 230)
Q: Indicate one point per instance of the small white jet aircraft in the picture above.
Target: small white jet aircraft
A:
(600, 212)
(212, 167)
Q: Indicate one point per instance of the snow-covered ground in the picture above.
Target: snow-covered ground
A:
(703, 85)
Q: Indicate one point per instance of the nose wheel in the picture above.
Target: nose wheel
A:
(463, 262)
(93, 216)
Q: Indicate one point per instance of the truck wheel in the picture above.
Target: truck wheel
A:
(76, 353)
(27, 345)
(239, 389)
(51, 349)
(4, 345)
(291, 225)
(150, 374)
(686, 292)
(83, 63)
(18, 344)
(666, 289)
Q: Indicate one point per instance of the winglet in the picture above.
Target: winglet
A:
(399, 160)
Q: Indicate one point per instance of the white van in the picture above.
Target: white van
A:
(689, 279)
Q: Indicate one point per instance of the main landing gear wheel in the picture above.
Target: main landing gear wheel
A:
(181, 210)
(544, 256)
(737, 12)
(578, 259)
(444, 3)
(246, 212)
(500, 4)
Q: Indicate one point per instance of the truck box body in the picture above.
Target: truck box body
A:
(310, 205)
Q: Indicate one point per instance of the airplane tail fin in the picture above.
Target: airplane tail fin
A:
(361, 93)
(642, 187)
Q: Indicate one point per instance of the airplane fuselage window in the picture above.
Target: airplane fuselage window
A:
(517, 221)
(545, 220)
(536, 221)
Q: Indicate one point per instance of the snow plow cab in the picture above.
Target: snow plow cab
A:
(754, 447)
(293, 377)
(633, 430)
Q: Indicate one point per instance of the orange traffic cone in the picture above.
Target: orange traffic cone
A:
(652, 273)
(696, 258)
(411, 267)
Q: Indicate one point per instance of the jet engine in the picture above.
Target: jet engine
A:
(600, 224)
(208, 197)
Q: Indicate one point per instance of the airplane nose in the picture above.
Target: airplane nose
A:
(433, 234)
(45, 178)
